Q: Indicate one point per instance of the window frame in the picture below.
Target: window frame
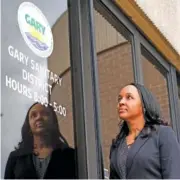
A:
(108, 6)
(85, 90)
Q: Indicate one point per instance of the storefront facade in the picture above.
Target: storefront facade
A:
(75, 56)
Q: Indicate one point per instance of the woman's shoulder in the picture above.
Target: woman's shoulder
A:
(66, 155)
(166, 134)
(165, 130)
(14, 154)
(20, 152)
(66, 150)
(69, 150)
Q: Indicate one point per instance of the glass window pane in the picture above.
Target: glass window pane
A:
(36, 68)
(155, 80)
(115, 70)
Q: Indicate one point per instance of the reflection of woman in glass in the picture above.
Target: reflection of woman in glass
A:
(43, 152)
(145, 148)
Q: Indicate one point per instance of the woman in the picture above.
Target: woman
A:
(145, 148)
(43, 152)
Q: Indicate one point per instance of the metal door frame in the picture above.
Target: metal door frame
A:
(85, 90)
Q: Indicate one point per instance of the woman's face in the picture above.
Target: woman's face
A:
(39, 119)
(129, 103)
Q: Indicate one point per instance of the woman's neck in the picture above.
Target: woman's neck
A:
(135, 126)
(39, 142)
(41, 149)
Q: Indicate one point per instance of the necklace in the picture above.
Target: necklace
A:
(41, 164)
(41, 161)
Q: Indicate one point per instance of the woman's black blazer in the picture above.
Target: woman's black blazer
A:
(154, 157)
(61, 166)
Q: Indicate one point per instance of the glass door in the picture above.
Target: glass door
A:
(36, 86)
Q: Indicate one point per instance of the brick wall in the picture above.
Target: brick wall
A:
(156, 82)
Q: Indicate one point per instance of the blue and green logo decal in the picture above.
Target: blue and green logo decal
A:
(36, 33)
(35, 29)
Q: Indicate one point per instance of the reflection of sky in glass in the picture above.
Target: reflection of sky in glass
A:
(15, 106)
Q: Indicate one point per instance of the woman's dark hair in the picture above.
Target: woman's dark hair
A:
(56, 139)
(151, 110)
